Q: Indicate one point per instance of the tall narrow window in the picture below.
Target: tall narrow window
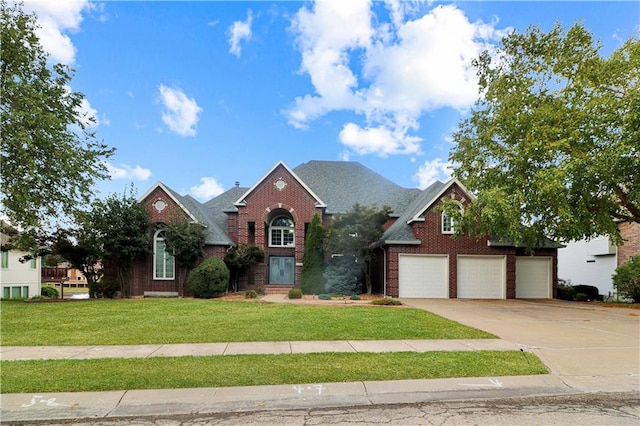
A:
(163, 261)
(33, 263)
(4, 259)
(281, 232)
(448, 225)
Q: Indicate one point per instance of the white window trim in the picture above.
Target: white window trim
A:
(281, 229)
(453, 225)
(157, 238)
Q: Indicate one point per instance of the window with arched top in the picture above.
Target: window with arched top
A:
(281, 232)
(163, 261)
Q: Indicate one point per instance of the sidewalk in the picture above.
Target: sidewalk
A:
(21, 353)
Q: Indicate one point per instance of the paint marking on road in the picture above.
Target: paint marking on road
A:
(494, 384)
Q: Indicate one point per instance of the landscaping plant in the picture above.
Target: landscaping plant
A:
(626, 279)
(209, 279)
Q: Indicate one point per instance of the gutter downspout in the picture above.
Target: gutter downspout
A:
(384, 271)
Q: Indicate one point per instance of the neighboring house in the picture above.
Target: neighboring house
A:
(416, 257)
(593, 262)
(18, 279)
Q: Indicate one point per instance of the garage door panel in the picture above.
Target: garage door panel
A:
(481, 277)
(533, 277)
(423, 276)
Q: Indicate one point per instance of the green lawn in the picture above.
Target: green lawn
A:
(155, 321)
(245, 370)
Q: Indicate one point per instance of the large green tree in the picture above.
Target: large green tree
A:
(49, 154)
(355, 233)
(120, 226)
(553, 143)
(241, 258)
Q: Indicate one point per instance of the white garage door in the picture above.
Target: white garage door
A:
(423, 276)
(533, 277)
(482, 277)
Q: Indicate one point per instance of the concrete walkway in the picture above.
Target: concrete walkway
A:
(21, 353)
(587, 350)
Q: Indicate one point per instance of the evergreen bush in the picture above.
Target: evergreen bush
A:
(209, 279)
(626, 279)
(50, 292)
(343, 276)
(295, 293)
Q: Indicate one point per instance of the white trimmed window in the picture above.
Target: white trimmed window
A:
(448, 224)
(281, 232)
(5, 259)
(163, 262)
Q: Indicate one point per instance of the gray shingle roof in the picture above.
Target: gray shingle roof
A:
(341, 184)
(215, 234)
(400, 231)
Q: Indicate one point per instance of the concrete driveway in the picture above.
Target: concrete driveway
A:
(578, 342)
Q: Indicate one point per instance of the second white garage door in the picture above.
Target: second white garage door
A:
(423, 276)
(533, 277)
(482, 277)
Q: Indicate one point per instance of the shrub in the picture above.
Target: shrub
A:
(626, 279)
(295, 293)
(250, 294)
(260, 290)
(48, 291)
(209, 279)
(106, 289)
(355, 297)
(592, 292)
(324, 296)
(387, 301)
(566, 292)
(582, 297)
(343, 276)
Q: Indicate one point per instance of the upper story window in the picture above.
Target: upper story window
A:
(33, 263)
(163, 261)
(448, 224)
(5, 259)
(281, 232)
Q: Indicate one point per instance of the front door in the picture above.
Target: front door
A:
(281, 270)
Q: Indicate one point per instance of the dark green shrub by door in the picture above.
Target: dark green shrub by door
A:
(209, 279)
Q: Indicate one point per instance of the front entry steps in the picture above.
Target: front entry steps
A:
(277, 289)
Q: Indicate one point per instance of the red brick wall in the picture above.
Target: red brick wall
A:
(264, 202)
(433, 241)
(630, 233)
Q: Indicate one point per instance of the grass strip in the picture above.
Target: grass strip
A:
(163, 321)
(246, 370)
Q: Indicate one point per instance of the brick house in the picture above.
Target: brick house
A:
(416, 257)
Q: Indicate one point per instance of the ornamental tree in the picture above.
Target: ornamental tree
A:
(311, 279)
(185, 241)
(355, 232)
(552, 142)
(49, 154)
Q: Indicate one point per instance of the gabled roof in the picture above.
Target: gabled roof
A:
(445, 187)
(400, 231)
(214, 233)
(172, 194)
(341, 184)
(242, 200)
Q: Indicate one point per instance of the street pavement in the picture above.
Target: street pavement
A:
(587, 348)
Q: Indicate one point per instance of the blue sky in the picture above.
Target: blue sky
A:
(200, 95)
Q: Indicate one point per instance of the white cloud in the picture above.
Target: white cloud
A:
(208, 189)
(56, 18)
(403, 68)
(239, 31)
(433, 170)
(180, 113)
(127, 172)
